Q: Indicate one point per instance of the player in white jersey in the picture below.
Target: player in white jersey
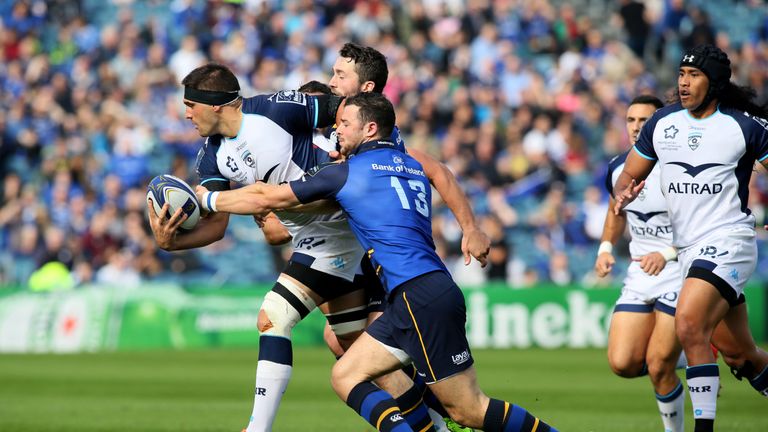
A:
(706, 145)
(641, 339)
(270, 139)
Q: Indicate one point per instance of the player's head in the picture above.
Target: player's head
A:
(358, 69)
(639, 111)
(366, 117)
(705, 72)
(210, 90)
(315, 88)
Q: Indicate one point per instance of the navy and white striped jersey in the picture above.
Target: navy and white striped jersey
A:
(649, 226)
(705, 167)
(387, 199)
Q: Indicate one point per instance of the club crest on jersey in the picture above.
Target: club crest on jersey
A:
(642, 195)
(291, 96)
(247, 157)
(671, 132)
(694, 140)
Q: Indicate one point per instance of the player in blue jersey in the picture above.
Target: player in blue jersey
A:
(706, 145)
(642, 338)
(387, 199)
(360, 69)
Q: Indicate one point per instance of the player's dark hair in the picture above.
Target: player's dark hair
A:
(375, 107)
(647, 100)
(742, 98)
(370, 64)
(212, 77)
(315, 87)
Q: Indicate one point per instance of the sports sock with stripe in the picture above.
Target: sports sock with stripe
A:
(672, 408)
(502, 416)
(413, 409)
(703, 382)
(760, 382)
(272, 375)
(377, 408)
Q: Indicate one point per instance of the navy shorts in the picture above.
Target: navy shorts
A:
(424, 322)
(367, 280)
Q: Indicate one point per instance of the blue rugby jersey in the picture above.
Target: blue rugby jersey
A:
(387, 199)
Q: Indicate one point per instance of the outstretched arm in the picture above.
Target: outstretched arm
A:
(474, 241)
(632, 180)
(253, 199)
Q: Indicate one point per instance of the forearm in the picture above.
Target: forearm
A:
(253, 199)
(209, 230)
(449, 189)
(614, 225)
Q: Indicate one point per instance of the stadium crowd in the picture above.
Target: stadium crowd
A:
(523, 100)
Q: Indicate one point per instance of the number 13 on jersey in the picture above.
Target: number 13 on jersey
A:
(421, 195)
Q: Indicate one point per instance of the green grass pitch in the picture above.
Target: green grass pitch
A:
(212, 391)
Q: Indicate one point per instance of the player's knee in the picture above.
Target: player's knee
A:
(626, 366)
(277, 316)
(688, 330)
(345, 326)
(467, 415)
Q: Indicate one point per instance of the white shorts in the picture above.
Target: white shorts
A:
(726, 259)
(643, 292)
(329, 249)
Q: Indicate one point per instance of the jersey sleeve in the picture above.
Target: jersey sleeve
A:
(207, 169)
(613, 165)
(294, 111)
(758, 138)
(324, 182)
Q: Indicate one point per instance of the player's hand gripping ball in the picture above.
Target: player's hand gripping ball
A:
(178, 194)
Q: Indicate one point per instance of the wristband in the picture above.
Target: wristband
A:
(669, 253)
(209, 201)
(605, 247)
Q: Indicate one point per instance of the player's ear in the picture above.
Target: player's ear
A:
(367, 87)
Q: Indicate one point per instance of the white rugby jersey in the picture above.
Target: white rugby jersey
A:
(275, 144)
(649, 226)
(705, 167)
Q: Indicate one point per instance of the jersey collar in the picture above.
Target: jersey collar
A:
(373, 145)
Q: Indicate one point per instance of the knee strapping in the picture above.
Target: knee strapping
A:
(284, 307)
(348, 321)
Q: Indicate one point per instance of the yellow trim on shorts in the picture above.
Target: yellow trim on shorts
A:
(535, 424)
(421, 340)
(383, 415)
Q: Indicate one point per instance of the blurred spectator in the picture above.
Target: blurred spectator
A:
(521, 99)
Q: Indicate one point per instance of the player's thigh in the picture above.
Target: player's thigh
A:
(628, 338)
(663, 345)
(700, 307)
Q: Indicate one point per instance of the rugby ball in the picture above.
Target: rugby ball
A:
(176, 192)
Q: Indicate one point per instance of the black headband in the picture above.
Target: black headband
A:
(209, 97)
(718, 72)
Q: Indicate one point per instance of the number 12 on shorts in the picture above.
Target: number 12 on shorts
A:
(421, 195)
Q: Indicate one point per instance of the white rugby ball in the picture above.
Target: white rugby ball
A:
(178, 194)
